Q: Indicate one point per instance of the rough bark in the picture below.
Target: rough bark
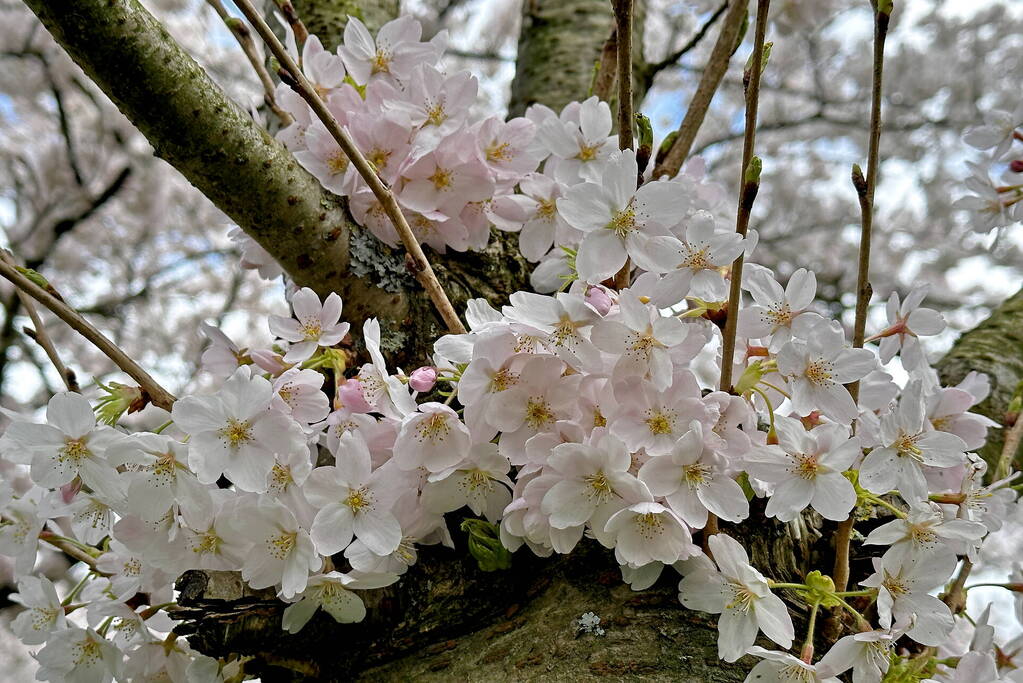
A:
(994, 347)
(560, 44)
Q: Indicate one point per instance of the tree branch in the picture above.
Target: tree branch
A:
(193, 125)
(655, 68)
(158, 396)
(698, 106)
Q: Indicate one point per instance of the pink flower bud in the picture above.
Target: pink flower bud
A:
(350, 396)
(423, 378)
(269, 361)
(1016, 166)
(599, 299)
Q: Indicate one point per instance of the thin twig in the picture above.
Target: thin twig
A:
(955, 598)
(717, 65)
(653, 69)
(749, 184)
(291, 16)
(68, 549)
(418, 263)
(158, 396)
(244, 38)
(41, 337)
(865, 192)
(623, 30)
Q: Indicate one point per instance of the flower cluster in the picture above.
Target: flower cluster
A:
(589, 413)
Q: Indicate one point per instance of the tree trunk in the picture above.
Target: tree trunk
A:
(559, 47)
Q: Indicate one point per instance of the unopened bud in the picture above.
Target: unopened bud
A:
(269, 361)
(599, 299)
(351, 396)
(1016, 165)
(423, 379)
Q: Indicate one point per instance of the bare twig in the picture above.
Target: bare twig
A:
(749, 184)
(244, 38)
(419, 265)
(656, 67)
(41, 337)
(623, 31)
(865, 192)
(700, 103)
(67, 548)
(158, 396)
(291, 16)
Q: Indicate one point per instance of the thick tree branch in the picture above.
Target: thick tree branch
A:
(193, 125)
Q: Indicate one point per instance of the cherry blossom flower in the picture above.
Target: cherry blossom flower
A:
(985, 203)
(394, 52)
(581, 140)
(701, 253)
(781, 667)
(77, 655)
(649, 532)
(906, 323)
(654, 420)
(867, 653)
(281, 552)
(997, 132)
(806, 468)
(69, 445)
(540, 398)
(565, 318)
(313, 325)
(590, 479)
(622, 222)
(297, 393)
(481, 482)
(353, 501)
(234, 433)
(741, 595)
(222, 357)
(433, 438)
(777, 313)
(818, 370)
(158, 475)
(907, 445)
(642, 340)
(904, 587)
(692, 480)
(43, 612)
(334, 593)
(440, 183)
(925, 530)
